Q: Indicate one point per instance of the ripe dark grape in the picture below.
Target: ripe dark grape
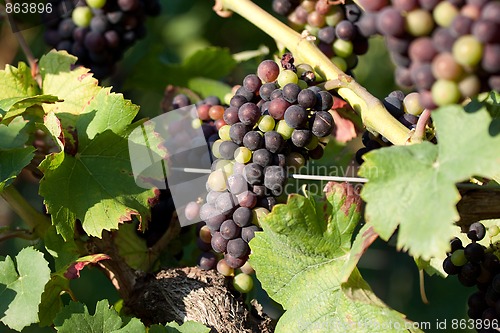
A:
(474, 252)
(322, 124)
(253, 173)
(207, 261)
(253, 140)
(237, 132)
(275, 178)
(345, 30)
(262, 157)
(242, 217)
(449, 268)
(229, 230)
(301, 138)
(248, 233)
(476, 232)
(266, 89)
(277, 107)
(273, 141)
(98, 36)
(218, 242)
(295, 116)
(237, 248)
(307, 98)
(268, 71)
(290, 92)
(324, 101)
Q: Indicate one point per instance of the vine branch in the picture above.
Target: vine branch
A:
(32, 61)
(34, 219)
(373, 113)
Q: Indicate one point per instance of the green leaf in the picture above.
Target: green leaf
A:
(98, 187)
(186, 327)
(14, 106)
(210, 63)
(15, 134)
(75, 87)
(299, 260)
(63, 252)
(107, 111)
(12, 161)
(23, 284)
(209, 87)
(16, 82)
(364, 238)
(421, 178)
(132, 248)
(51, 299)
(75, 318)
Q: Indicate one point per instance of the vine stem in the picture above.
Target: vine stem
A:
(34, 219)
(373, 114)
(32, 61)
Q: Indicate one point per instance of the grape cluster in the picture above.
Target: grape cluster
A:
(405, 108)
(446, 50)
(477, 266)
(274, 122)
(98, 32)
(339, 28)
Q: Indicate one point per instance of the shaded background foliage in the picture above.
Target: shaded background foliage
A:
(184, 27)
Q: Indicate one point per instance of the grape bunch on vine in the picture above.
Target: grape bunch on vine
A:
(251, 188)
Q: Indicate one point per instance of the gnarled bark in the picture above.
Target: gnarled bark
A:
(190, 293)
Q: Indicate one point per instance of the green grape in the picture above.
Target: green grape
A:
(243, 283)
(302, 84)
(444, 13)
(342, 48)
(283, 129)
(217, 181)
(335, 16)
(247, 268)
(266, 123)
(196, 123)
(340, 63)
(258, 214)
(419, 22)
(224, 133)
(242, 155)
(458, 258)
(287, 76)
(445, 92)
(215, 148)
(96, 3)
(225, 165)
(469, 86)
(412, 104)
(467, 50)
(82, 16)
(493, 230)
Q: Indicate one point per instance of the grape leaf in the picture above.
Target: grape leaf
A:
(421, 178)
(53, 126)
(73, 271)
(15, 106)
(75, 87)
(132, 248)
(13, 155)
(95, 186)
(17, 82)
(12, 161)
(210, 63)
(107, 111)
(63, 252)
(23, 285)
(209, 87)
(299, 258)
(186, 327)
(51, 299)
(15, 134)
(75, 318)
